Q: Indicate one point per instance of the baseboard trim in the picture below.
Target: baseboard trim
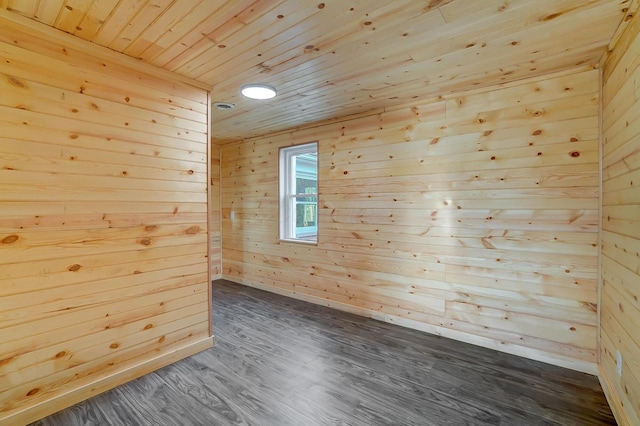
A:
(94, 385)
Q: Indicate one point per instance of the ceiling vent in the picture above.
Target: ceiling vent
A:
(224, 106)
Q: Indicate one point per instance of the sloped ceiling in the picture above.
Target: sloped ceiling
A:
(335, 58)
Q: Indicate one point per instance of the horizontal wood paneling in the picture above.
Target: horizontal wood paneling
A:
(103, 221)
(620, 316)
(477, 219)
(215, 231)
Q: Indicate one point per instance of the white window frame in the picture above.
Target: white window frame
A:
(287, 191)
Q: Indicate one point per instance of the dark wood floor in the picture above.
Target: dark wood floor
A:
(279, 361)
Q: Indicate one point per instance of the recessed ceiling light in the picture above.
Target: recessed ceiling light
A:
(258, 91)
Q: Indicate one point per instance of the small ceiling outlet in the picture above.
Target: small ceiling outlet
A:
(224, 106)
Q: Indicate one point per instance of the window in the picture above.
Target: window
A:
(299, 193)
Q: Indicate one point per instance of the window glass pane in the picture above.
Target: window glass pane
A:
(306, 186)
(306, 217)
(306, 174)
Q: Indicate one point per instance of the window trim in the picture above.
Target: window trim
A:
(287, 207)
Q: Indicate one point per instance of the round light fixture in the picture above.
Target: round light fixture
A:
(258, 91)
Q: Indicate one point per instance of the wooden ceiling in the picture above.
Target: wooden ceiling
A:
(334, 58)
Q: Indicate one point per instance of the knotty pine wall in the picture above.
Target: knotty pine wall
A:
(103, 220)
(474, 217)
(215, 231)
(620, 317)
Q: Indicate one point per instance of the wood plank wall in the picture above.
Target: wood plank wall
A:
(103, 220)
(474, 217)
(620, 308)
(215, 227)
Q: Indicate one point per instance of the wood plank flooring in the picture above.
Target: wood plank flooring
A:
(279, 361)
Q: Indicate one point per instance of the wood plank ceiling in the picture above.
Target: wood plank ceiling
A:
(335, 58)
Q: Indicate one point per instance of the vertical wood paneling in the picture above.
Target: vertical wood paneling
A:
(103, 220)
(474, 217)
(620, 318)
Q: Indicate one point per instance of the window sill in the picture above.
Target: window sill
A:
(300, 241)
